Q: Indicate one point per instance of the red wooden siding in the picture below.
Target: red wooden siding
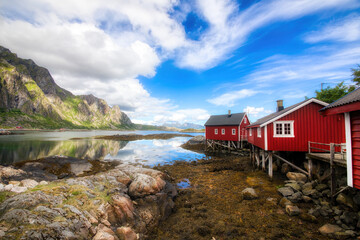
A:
(210, 132)
(259, 142)
(309, 125)
(355, 142)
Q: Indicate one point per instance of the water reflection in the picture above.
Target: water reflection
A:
(33, 146)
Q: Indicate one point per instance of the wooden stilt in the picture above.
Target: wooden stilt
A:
(263, 159)
(310, 163)
(238, 145)
(332, 171)
(270, 170)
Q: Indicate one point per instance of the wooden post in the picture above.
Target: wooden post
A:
(310, 163)
(257, 157)
(229, 146)
(332, 171)
(238, 144)
(270, 170)
(263, 160)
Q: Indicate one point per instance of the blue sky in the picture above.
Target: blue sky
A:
(169, 60)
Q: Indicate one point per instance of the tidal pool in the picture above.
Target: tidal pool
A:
(33, 145)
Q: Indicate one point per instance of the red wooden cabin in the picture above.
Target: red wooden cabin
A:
(228, 127)
(349, 107)
(292, 128)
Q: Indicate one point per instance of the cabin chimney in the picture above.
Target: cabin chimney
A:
(280, 105)
(229, 113)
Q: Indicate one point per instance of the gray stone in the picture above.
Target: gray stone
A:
(315, 211)
(349, 218)
(285, 168)
(294, 186)
(296, 176)
(308, 217)
(292, 210)
(345, 235)
(144, 185)
(286, 191)
(284, 202)
(329, 229)
(17, 189)
(8, 187)
(29, 183)
(2, 187)
(249, 194)
(345, 200)
(306, 198)
(296, 197)
(308, 185)
(321, 187)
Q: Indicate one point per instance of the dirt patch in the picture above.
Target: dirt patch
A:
(133, 137)
(213, 207)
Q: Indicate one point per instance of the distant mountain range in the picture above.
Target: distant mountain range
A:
(29, 97)
(183, 125)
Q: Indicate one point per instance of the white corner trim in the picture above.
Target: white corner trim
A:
(265, 138)
(348, 150)
(311, 100)
(239, 133)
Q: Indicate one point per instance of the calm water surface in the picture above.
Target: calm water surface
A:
(38, 144)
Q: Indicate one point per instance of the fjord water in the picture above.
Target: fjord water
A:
(31, 145)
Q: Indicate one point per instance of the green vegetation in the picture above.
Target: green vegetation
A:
(330, 95)
(189, 130)
(356, 75)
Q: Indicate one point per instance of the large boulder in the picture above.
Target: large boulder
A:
(344, 199)
(144, 185)
(299, 177)
(126, 233)
(292, 210)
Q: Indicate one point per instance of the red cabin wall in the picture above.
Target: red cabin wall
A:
(243, 125)
(355, 142)
(254, 139)
(210, 133)
(309, 125)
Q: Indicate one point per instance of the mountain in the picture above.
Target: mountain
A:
(30, 97)
(183, 125)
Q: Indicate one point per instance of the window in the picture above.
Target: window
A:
(245, 120)
(284, 129)
(216, 131)
(250, 132)
(259, 132)
(233, 131)
(223, 131)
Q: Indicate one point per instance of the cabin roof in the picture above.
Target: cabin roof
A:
(351, 97)
(276, 115)
(225, 120)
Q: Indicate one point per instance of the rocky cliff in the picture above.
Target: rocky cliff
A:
(30, 97)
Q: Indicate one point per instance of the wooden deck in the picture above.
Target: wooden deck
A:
(339, 159)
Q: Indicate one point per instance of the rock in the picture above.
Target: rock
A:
(345, 200)
(2, 187)
(294, 186)
(43, 182)
(145, 185)
(271, 200)
(123, 207)
(104, 233)
(345, 235)
(18, 189)
(249, 194)
(308, 217)
(308, 185)
(11, 173)
(296, 197)
(126, 233)
(309, 192)
(197, 140)
(8, 187)
(349, 218)
(29, 183)
(285, 168)
(356, 198)
(321, 187)
(284, 202)
(306, 198)
(315, 211)
(2, 233)
(296, 176)
(329, 229)
(292, 210)
(286, 191)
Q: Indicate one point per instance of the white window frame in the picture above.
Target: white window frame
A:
(216, 131)
(233, 131)
(250, 132)
(223, 131)
(245, 120)
(259, 132)
(283, 135)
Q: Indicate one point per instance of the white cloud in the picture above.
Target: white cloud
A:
(230, 28)
(229, 99)
(256, 112)
(347, 30)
